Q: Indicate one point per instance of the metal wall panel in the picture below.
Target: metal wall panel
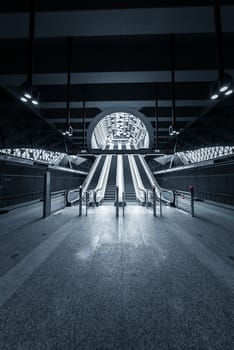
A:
(214, 183)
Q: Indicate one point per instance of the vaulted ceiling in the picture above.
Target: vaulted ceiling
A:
(121, 61)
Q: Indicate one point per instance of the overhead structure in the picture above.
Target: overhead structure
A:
(120, 51)
(223, 86)
(84, 150)
(68, 130)
(28, 92)
(207, 153)
(156, 112)
(173, 130)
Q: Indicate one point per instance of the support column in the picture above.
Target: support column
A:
(192, 200)
(123, 203)
(46, 195)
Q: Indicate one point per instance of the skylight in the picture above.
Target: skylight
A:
(120, 127)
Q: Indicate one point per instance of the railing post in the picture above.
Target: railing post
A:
(80, 201)
(123, 202)
(117, 201)
(176, 199)
(154, 202)
(192, 200)
(46, 195)
(94, 199)
(86, 202)
(65, 199)
(160, 199)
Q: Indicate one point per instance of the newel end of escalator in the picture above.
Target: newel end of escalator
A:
(121, 204)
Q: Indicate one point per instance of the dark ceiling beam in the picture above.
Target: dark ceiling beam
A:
(117, 22)
(126, 91)
(116, 54)
(150, 119)
(196, 75)
(54, 5)
(136, 104)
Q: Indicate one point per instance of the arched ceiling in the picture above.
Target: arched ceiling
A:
(121, 57)
(120, 128)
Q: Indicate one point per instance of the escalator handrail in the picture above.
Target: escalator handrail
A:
(102, 182)
(136, 181)
(154, 182)
(91, 174)
(103, 178)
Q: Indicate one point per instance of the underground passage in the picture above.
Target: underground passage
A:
(117, 175)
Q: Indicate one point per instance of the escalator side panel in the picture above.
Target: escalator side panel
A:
(145, 180)
(111, 182)
(97, 174)
(130, 195)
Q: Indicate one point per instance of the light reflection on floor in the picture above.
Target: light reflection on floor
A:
(108, 209)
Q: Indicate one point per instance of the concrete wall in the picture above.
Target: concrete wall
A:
(214, 182)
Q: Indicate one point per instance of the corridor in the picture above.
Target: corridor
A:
(133, 282)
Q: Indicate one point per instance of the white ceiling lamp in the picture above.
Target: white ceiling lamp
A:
(172, 128)
(68, 130)
(223, 86)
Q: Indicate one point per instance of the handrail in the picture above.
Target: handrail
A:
(100, 189)
(91, 174)
(22, 194)
(29, 202)
(189, 195)
(77, 198)
(32, 193)
(154, 182)
(71, 201)
(88, 199)
(102, 182)
(137, 182)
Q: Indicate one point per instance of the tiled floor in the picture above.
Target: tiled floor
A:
(133, 282)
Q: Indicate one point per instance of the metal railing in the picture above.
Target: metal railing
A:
(225, 198)
(91, 173)
(185, 195)
(88, 200)
(23, 203)
(73, 196)
(158, 189)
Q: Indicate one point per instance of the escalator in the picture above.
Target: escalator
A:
(97, 173)
(111, 182)
(130, 195)
(145, 180)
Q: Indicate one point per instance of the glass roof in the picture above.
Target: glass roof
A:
(120, 127)
(205, 153)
